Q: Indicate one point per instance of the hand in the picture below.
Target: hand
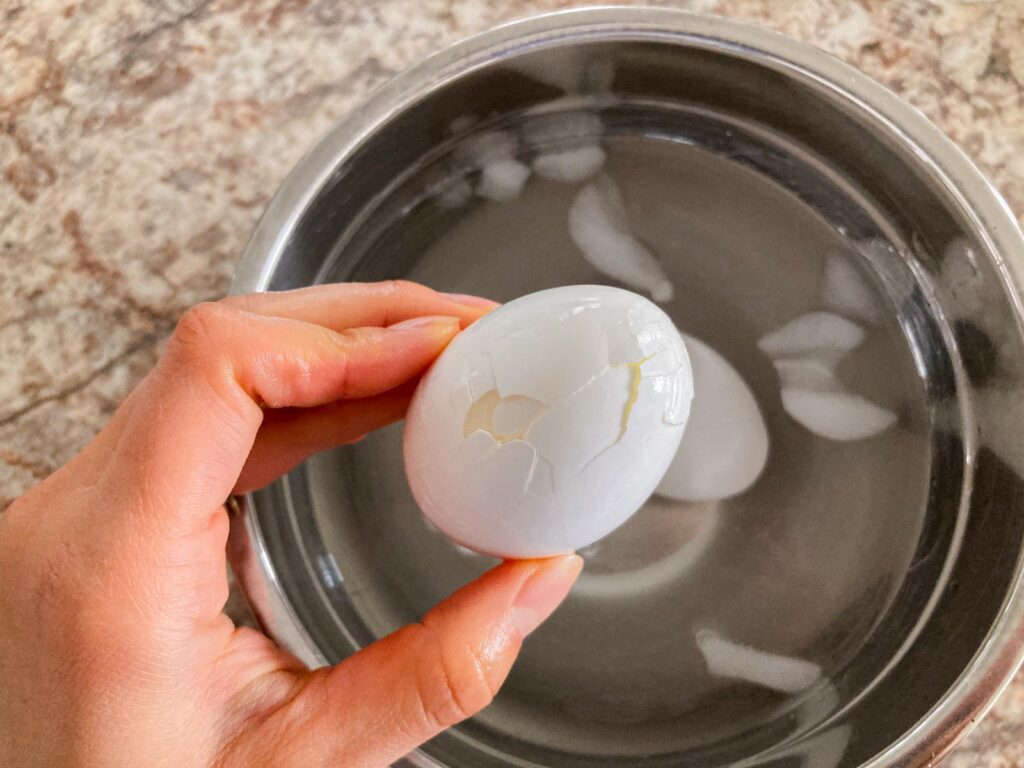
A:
(114, 650)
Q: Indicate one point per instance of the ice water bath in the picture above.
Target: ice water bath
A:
(794, 574)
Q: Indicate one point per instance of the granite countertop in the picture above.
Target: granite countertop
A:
(140, 139)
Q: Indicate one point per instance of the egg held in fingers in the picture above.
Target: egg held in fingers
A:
(546, 424)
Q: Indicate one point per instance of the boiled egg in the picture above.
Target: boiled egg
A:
(725, 445)
(547, 423)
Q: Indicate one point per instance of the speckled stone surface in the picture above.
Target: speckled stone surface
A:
(140, 139)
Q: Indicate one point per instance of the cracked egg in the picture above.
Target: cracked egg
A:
(546, 424)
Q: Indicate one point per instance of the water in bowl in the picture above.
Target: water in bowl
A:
(805, 564)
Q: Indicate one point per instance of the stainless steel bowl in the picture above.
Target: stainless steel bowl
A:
(866, 166)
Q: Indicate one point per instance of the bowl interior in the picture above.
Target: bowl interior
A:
(884, 562)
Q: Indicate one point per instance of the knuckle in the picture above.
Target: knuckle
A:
(200, 325)
(243, 301)
(394, 286)
(403, 290)
(453, 684)
(14, 511)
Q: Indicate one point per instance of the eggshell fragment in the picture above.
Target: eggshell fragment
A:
(725, 444)
(547, 423)
(725, 658)
(600, 228)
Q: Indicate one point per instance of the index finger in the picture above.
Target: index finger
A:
(340, 306)
(335, 306)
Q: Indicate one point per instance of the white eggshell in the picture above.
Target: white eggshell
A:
(600, 228)
(546, 424)
(725, 445)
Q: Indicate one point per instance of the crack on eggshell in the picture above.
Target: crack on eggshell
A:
(627, 410)
(632, 345)
(481, 415)
(582, 386)
(568, 369)
(676, 407)
(478, 455)
(634, 393)
(559, 411)
(540, 468)
(478, 382)
(623, 346)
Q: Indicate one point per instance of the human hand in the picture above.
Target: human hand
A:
(114, 648)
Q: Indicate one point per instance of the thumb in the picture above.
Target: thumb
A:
(392, 696)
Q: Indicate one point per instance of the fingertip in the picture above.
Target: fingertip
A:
(470, 308)
(544, 590)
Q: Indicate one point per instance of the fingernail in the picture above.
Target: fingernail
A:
(544, 591)
(470, 301)
(442, 326)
